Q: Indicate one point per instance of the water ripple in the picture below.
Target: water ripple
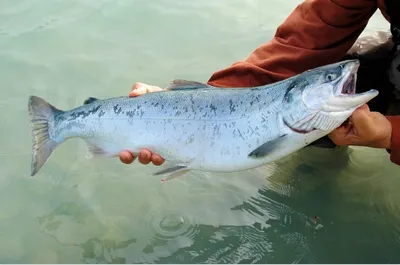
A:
(166, 224)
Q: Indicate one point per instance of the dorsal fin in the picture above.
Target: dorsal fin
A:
(90, 100)
(180, 84)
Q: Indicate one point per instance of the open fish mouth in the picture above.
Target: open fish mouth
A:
(349, 87)
(346, 97)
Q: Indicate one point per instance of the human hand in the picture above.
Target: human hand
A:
(364, 128)
(140, 89)
(145, 156)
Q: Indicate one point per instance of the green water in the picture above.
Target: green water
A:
(328, 206)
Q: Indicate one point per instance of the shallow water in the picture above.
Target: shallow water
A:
(329, 206)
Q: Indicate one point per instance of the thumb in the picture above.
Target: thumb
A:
(362, 120)
(364, 107)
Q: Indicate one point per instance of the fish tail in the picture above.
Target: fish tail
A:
(41, 115)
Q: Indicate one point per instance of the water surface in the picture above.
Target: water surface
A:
(329, 206)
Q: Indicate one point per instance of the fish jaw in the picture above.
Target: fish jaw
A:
(344, 101)
(323, 98)
(345, 97)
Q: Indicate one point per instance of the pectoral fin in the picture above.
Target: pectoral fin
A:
(96, 151)
(268, 147)
(173, 172)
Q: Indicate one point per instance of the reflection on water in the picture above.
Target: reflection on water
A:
(65, 218)
(326, 206)
(311, 206)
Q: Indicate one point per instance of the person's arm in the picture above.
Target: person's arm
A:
(316, 33)
(395, 141)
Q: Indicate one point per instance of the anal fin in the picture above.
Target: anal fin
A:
(268, 147)
(173, 172)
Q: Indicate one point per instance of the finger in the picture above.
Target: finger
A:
(338, 137)
(362, 120)
(345, 123)
(157, 160)
(345, 128)
(364, 107)
(126, 157)
(138, 85)
(144, 156)
(342, 135)
(360, 112)
(341, 141)
(342, 131)
(138, 89)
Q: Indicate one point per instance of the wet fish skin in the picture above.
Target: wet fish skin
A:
(198, 127)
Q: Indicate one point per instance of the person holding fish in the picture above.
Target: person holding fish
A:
(316, 33)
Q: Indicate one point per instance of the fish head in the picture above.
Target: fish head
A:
(324, 97)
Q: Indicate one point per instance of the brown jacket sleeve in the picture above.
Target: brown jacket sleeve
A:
(395, 150)
(316, 33)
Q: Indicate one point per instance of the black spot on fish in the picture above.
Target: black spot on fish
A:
(263, 119)
(131, 113)
(155, 105)
(213, 108)
(231, 106)
(117, 109)
(101, 113)
(178, 113)
(83, 114)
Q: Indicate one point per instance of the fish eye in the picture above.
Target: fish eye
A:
(331, 77)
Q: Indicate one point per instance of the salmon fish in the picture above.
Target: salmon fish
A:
(194, 126)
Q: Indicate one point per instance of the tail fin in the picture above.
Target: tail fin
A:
(40, 113)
